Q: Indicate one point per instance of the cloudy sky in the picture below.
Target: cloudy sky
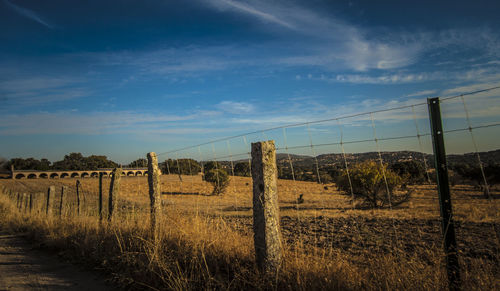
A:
(122, 78)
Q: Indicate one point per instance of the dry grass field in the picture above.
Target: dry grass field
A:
(206, 241)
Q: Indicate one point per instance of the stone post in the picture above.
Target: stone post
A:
(63, 188)
(154, 175)
(48, 207)
(266, 224)
(114, 188)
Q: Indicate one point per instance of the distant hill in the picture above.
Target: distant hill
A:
(490, 157)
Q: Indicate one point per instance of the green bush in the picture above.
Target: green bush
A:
(369, 185)
(219, 179)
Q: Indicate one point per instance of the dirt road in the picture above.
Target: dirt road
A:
(24, 268)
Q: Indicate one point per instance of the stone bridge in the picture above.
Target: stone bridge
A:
(32, 174)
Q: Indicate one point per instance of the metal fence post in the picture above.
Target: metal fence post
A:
(266, 223)
(447, 224)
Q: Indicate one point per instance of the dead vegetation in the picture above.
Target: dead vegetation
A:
(205, 241)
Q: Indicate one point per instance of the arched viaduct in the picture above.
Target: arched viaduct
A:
(27, 174)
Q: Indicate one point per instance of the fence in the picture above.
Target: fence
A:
(312, 215)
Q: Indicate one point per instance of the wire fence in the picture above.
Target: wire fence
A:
(363, 185)
(318, 215)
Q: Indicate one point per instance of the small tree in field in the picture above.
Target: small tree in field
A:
(369, 185)
(219, 179)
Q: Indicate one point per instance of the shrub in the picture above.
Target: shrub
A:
(242, 169)
(412, 172)
(369, 185)
(219, 179)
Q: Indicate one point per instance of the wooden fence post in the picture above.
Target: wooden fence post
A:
(63, 188)
(114, 188)
(18, 204)
(25, 199)
(101, 174)
(50, 192)
(78, 197)
(154, 175)
(31, 202)
(266, 224)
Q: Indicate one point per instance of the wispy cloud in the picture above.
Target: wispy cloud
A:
(422, 93)
(95, 123)
(248, 9)
(28, 14)
(37, 90)
(235, 107)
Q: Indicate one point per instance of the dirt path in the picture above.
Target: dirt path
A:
(23, 268)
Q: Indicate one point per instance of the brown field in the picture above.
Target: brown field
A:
(206, 241)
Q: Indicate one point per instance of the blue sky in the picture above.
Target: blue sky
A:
(122, 78)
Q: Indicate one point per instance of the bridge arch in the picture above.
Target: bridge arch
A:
(64, 175)
(138, 173)
(130, 173)
(43, 176)
(54, 175)
(32, 176)
(20, 176)
(75, 175)
(84, 175)
(94, 174)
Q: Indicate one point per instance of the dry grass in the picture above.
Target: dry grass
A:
(206, 241)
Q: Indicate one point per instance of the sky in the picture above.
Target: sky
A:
(123, 78)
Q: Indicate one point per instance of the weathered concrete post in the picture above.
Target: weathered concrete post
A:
(114, 188)
(63, 188)
(266, 225)
(154, 175)
(78, 197)
(101, 174)
(50, 192)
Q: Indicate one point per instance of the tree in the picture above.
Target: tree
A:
(181, 166)
(242, 169)
(4, 165)
(139, 163)
(219, 179)
(370, 186)
(412, 172)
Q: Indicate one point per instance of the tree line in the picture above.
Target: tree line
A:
(72, 161)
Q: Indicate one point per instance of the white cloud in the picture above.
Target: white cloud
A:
(422, 93)
(236, 107)
(28, 14)
(40, 90)
(248, 9)
(72, 122)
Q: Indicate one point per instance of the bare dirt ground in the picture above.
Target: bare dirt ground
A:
(25, 268)
(355, 235)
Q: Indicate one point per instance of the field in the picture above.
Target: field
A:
(207, 241)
